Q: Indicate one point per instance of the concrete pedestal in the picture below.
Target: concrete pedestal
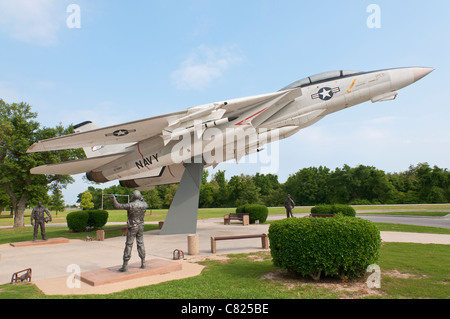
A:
(193, 245)
(112, 274)
(50, 241)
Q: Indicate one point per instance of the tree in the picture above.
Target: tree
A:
(18, 131)
(309, 186)
(169, 194)
(242, 190)
(208, 194)
(270, 189)
(4, 200)
(56, 200)
(86, 200)
(152, 198)
(221, 195)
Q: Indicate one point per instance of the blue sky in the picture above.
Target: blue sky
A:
(136, 59)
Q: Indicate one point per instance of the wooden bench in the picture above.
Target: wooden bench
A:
(264, 240)
(101, 232)
(23, 275)
(244, 218)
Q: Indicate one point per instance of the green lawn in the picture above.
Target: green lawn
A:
(407, 271)
(23, 234)
(204, 213)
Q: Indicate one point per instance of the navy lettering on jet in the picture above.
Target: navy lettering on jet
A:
(139, 165)
(147, 161)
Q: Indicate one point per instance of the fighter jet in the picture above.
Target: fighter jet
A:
(176, 147)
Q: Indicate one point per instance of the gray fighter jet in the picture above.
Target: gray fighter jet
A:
(175, 147)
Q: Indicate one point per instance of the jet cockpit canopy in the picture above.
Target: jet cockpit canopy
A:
(321, 77)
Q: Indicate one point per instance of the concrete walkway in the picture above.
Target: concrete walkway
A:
(54, 265)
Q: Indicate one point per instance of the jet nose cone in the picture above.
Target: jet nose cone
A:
(421, 72)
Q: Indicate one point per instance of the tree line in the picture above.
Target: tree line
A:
(309, 186)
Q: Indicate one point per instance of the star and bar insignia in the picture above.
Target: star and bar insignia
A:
(121, 132)
(325, 93)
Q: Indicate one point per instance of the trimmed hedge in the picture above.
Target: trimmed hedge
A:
(334, 209)
(338, 246)
(255, 211)
(77, 221)
(80, 221)
(97, 218)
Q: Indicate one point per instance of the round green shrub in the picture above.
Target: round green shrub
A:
(255, 211)
(337, 246)
(334, 209)
(321, 209)
(97, 218)
(77, 221)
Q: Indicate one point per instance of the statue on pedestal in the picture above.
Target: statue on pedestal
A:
(136, 212)
(38, 219)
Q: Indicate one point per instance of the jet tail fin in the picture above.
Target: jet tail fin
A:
(97, 150)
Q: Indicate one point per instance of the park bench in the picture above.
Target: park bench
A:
(23, 275)
(264, 240)
(244, 218)
(101, 232)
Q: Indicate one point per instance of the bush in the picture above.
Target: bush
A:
(334, 209)
(87, 219)
(340, 245)
(77, 221)
(97, 218)
(255, 211)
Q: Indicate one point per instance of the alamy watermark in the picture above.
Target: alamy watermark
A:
(73, 21)
(73, 280)
(374, 279)
(374, 19)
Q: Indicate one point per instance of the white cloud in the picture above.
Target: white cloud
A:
(204, 65)
(32, 21)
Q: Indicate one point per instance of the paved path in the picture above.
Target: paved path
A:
(52, 264)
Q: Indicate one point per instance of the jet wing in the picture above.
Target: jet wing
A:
(130, 132)
(75, 167)
(133, 132)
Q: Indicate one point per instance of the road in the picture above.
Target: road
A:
(442, 222)
(430, 221)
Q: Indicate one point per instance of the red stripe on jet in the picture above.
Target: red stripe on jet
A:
(240, 123)
(139, 150)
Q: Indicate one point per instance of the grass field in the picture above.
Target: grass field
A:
(408, 271)
(204, 213)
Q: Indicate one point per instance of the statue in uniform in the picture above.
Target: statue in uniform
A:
(289, 205)
(38, 219)
(136, 212)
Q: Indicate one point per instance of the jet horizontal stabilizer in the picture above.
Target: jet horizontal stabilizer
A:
(75, 167)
